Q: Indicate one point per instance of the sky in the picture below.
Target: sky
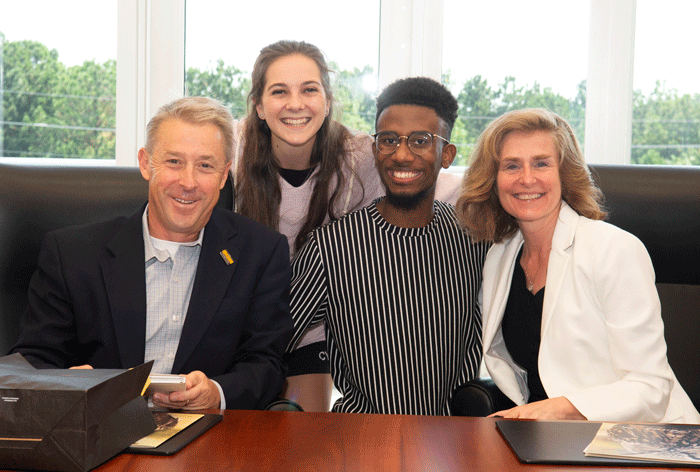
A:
(547, 45)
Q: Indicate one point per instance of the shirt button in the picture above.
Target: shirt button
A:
(175, 318)
(170, 356)
(176, 279)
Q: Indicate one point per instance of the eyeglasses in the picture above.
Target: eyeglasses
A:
(418, 142)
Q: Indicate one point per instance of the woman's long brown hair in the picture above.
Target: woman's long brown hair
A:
(258, 191)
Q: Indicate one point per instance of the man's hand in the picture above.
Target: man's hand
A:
(559, 408)
(86, 366)
(201, 394)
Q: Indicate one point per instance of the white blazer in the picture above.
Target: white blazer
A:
(602, 339)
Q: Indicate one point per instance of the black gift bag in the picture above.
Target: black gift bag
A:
(69, 420)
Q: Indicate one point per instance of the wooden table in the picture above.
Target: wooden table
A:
(290, 441)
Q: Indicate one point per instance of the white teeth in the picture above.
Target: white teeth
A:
(295, 121)
(404, 174)
(528, 196)
(187, 202)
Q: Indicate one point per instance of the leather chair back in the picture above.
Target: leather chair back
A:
(661, 206)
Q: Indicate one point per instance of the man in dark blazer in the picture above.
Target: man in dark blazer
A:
(121, 292)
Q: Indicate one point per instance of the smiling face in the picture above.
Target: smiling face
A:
(294, 105)
(408, 176)
(185, 172)
(528, 182)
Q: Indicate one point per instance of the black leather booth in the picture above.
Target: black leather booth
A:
(37, 199)
(661, 206)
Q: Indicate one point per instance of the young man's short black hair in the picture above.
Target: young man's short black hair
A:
(423, 92)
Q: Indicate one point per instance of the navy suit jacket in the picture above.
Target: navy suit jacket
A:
(87, 304)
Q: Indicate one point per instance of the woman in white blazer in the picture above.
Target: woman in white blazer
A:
(572, 321)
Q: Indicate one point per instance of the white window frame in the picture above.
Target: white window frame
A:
(609, 87)
(408, 46)
(150, 67)
(151, 54)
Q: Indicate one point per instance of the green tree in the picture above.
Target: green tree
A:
(51, 110)
(476, 110)
(54, 111)
(480, 104)
(666, 127)
(355, 106)
(85, 105)
(30, 71)
(228, 84)
(476, 100)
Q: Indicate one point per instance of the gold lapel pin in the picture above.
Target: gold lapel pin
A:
(226, 257)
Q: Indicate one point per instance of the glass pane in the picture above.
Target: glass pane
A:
(58, 85)
(224, 38)
(666, 118)
(509, 54)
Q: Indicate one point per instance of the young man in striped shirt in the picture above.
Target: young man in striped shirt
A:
(396, 282)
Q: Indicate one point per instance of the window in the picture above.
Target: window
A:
(494, 55)
(220, 49)
(666, 117)
(58, 86)
(508, 54)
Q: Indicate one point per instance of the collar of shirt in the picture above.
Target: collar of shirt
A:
(158, 248)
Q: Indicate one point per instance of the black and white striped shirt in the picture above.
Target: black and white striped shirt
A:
(400, 305)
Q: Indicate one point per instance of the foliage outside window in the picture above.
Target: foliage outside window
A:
(51, 110)
(666, 127)
(666, 121)
(480, 103)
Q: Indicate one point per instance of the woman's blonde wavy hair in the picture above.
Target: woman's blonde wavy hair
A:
(479, 208)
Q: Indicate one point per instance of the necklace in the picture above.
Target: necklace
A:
(530, 284)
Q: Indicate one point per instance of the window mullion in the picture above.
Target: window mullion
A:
(609, 91)
(150, 67)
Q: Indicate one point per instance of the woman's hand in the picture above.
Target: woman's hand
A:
(559, 408)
